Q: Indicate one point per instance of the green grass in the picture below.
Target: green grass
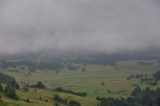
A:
(89, 81)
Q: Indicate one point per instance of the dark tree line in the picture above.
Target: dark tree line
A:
(32, 65)
(110, 59)
(144, 63)
(59, 89)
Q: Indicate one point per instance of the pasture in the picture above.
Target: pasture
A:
(96, 80)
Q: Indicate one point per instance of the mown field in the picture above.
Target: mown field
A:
(96, 80)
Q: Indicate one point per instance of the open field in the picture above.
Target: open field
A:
(114, 78)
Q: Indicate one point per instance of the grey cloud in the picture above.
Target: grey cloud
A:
(94, 26)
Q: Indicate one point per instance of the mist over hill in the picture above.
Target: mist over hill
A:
(42, 28)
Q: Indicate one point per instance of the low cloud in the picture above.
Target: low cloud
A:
(78, 26)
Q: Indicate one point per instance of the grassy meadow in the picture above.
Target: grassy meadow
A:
(96, 80)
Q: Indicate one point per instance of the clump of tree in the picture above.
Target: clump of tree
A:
(144, 63)
(153, 80)
(72, 68)
(136, 76)
(144, 79)
(147, 79)
(10, 92)
(115, 102)
(150, 81)
(65, 101)
(59, 89)
(139, 97)
(154, 83)
(59, 99)
(39, 85)
(8, 80)
(146, 97)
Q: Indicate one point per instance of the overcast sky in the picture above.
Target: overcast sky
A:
(92, 26)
